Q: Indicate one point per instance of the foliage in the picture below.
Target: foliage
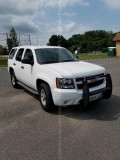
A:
(3, 61)
(3, 50)
(96, 40)
(92, 41)
(1, 47)
(12, 40)
(58, 40)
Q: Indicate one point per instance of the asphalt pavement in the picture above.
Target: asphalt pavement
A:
(29, 133)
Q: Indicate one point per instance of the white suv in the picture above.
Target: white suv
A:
(57, 76)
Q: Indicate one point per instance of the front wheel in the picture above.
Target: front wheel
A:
(45, 95)
(14, 80)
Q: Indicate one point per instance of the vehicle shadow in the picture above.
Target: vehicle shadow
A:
(104, 110)
(36, 96)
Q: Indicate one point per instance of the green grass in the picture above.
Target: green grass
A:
(3, 61)
(84, 56)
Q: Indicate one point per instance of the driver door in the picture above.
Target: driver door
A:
(28, 70)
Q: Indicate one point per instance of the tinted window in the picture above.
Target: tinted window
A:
(12, 53)
(28, 54)
(53, 55)
(19, 54)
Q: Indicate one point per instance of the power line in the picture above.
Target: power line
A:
(24, 39)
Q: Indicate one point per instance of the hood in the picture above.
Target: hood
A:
(76, 69)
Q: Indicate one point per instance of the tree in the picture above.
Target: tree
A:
(62, 41)
(12, 40)
(53, 41)
(95, 40)
(1, 48)
(58, 40)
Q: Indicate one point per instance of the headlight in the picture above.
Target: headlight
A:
(65, 83)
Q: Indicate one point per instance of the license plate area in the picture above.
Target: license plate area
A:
(95, 97)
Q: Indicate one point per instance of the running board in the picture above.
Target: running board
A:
(27, 88)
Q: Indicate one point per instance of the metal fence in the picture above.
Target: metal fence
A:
(23, 39)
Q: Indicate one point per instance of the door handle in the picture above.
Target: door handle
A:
(22, 67)
(14, 64)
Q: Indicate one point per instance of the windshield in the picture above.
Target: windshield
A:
(53, 55)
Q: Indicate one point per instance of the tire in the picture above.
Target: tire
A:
(14, 80)
(45, 96)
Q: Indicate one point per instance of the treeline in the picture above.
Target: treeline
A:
(96, 40)
(12, 41)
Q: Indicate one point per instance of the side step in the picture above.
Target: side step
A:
(27, 88)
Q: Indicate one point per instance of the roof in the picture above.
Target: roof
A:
(117, 37)
(37, 47)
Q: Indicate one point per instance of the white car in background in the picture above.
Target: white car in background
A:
(57, 76)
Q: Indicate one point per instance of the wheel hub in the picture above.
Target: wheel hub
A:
(43, 97)
(13, 80)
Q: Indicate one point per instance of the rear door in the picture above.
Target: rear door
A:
(17, 64)
(11, 58)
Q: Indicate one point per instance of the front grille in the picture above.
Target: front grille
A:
(91, 83)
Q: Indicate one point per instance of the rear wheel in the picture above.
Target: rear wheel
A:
(45, 95)
(14, 80)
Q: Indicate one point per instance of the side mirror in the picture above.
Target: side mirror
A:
(27, 61)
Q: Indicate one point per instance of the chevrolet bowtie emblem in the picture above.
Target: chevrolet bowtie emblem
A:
(93, 80)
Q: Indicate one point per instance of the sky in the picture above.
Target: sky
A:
(43, 18)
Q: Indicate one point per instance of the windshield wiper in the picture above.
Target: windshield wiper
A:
(48, 62)
(70, 60)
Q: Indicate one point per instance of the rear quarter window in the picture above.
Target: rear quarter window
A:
(12, 53)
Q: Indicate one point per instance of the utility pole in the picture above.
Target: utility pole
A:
(19, 40)
(7, 39)
(30, 40)
(37, 41)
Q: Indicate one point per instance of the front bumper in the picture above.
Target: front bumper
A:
(66, 97)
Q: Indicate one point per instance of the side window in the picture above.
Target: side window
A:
(12, 53)
(28, 54)
(19, 54)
